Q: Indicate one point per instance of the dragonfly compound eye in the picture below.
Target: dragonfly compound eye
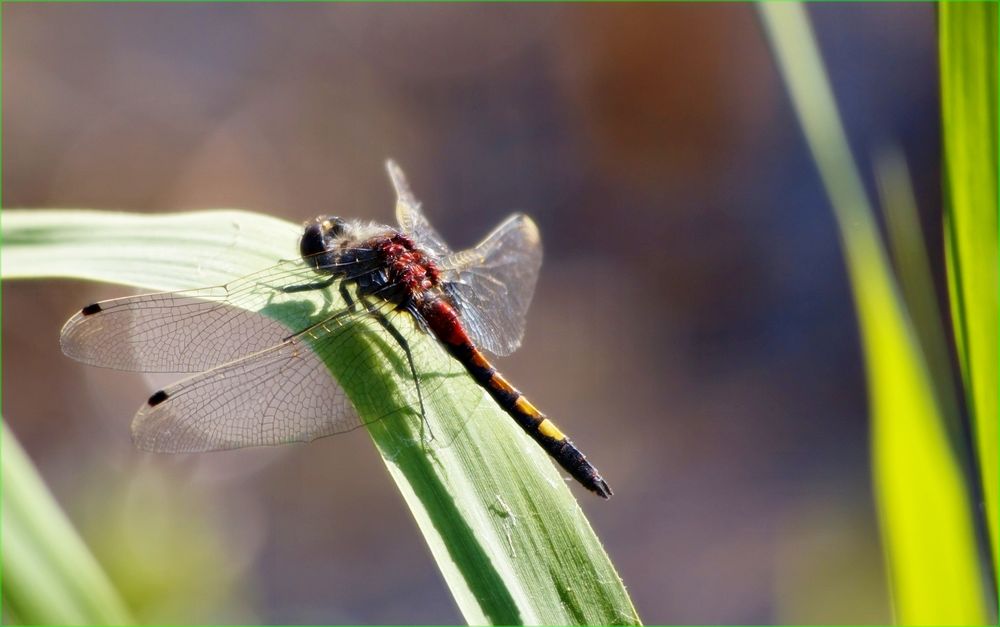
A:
(333, 227)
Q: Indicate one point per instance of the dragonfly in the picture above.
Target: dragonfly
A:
(259, 380)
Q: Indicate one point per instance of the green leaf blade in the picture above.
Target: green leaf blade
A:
(49, 575)
(923, 501)
(968, 53)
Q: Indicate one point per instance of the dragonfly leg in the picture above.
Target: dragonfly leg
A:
(346, 295)
(306, 287)
(396, 335)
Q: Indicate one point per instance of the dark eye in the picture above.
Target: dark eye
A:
(334, 226)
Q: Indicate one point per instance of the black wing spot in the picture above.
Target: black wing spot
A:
(90, 310)
(158, 398)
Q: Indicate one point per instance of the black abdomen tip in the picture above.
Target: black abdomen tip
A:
(600, 487)
(158, 398)
(91, 309)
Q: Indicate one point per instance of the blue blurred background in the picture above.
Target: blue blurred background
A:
(692, 330)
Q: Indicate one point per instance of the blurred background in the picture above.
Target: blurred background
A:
(693, 330)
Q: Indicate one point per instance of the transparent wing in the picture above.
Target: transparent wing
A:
(286, 393)
(280, 395)
(411, 219)
(193, 330)
(493, 283)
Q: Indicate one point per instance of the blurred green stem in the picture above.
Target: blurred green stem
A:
(968, 54)
(49, 575)
(913, 266)
(925, 513)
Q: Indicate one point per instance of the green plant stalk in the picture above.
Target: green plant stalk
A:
(916, 280)
(49, 576)
(924, 509)
(501, 523)
(968, 58)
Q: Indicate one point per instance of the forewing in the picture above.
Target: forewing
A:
(280, 395)
(411, 219)
(493, 283)
(193, 330)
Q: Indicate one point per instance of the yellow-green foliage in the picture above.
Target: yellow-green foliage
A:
(968, 53)
(925, 510)
(49, 576)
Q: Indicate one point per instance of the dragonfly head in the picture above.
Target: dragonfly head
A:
(318, 238)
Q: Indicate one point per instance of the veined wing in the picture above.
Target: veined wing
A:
(411, 219)
(280, 395)
(493, 283)
(193, 330)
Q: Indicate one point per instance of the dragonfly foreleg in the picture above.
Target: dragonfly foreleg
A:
(405, 345)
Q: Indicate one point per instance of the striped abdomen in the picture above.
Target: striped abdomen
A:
(443, 321)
